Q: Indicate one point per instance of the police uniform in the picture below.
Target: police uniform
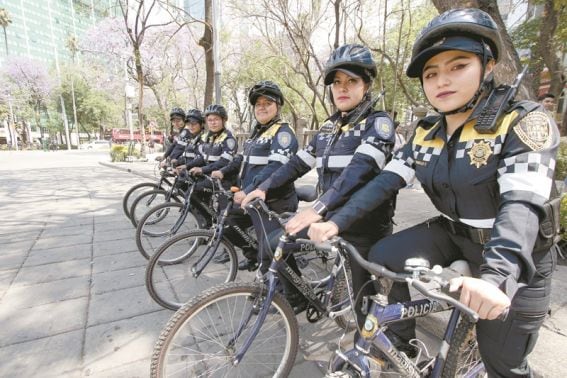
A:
(346, 157)
(491, 190)
(268, 148)
(191, 145)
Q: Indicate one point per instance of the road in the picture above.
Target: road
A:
(72, 296)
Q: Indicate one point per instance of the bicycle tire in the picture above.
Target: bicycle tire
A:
(146, 201)
(221, 318)
(463, 356)
(128, 198)
(151, 235)
(169, 278)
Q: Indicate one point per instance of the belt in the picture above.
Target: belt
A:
(476, 235)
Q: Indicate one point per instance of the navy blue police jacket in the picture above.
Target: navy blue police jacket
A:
(498, 181)
(175, 149)
(268, 148)
(215, 151)
(346, 157)
(191, 148)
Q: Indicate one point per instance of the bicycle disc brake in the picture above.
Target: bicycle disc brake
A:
(312, 314)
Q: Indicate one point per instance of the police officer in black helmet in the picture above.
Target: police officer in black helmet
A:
(271, 145)
(185, 146)
(217, 148)
(351, 147)
(177, 119)
(492, 185)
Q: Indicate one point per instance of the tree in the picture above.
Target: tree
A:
(30, 84)
(5, 21)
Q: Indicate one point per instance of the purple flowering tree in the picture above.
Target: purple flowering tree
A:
(28, 84)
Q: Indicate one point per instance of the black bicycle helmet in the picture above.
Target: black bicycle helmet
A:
(441, 34)
(195, 115)
(267, 89)
(216, 109)
(354, 60)
(176, 112)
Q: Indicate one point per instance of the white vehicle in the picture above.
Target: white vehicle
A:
(96, 145)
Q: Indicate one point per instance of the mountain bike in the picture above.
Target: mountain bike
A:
(374, 354)
(248, 329)
(182, 267)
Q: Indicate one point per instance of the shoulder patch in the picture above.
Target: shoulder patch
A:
(384, 127)
(535, 130)
(284, 139)
(231, 143)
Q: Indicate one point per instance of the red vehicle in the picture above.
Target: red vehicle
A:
(123, 136)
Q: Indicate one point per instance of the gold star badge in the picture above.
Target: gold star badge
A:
(479, 153)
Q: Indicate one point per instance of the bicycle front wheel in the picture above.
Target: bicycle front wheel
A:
(133, 193)
(204, 336)
(161, 223)
(169, 275)
(146, 201)
(463, 357)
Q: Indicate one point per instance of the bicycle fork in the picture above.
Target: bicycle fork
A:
(263, 312)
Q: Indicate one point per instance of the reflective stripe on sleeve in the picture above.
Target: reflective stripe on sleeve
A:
(374, 153)
(398, 167)
(307, 158)
(257, 160)
(280, 158)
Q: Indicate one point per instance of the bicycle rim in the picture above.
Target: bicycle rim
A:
(169, 277)
(197, 340)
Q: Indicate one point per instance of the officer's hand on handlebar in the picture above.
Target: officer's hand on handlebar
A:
(239, 197)
(257, 193)
(217, 174)
(303, 219)
(196, 171)
(321, 232)
(481, 296)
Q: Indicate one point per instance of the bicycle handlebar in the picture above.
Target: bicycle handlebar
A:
(381, 271)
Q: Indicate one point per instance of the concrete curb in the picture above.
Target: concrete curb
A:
(129, 170)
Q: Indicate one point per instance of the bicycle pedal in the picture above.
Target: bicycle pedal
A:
(312, 314)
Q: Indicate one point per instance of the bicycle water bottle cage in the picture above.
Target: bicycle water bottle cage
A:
(416, 265)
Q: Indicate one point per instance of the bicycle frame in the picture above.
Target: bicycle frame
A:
(381, 315)
(279, 266)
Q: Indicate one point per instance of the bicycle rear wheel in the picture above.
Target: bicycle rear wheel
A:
(161, 223)
(133, 193)
(463, 357)
(169, 275)
(203, 337)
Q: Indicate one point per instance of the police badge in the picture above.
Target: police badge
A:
(384, 128)
(479, 153)
(535, 130)
(284, 139)
(230, 143)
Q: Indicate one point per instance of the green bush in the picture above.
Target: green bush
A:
(118, 153)
(561, 162)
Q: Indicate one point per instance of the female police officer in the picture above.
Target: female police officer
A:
(491, 184)
(271, 144)
(351, 147)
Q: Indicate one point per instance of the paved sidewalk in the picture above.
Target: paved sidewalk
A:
(72, 296)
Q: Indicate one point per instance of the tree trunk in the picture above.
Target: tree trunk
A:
(6, 40)
(206, 42)
(550, 19)
(140, 74)
(337, 6)
(509, 64)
